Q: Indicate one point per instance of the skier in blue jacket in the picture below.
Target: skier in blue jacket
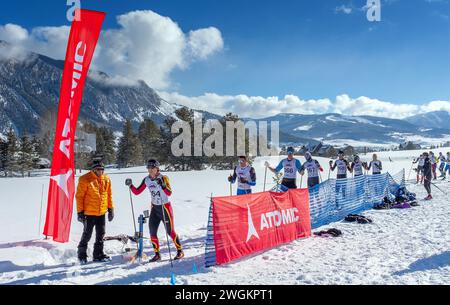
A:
(291, 167)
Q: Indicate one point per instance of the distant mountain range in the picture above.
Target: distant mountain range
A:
(337, 128)
(436, 119)
(30, 88)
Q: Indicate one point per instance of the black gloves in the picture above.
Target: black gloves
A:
(243, 180)
(128, 182)
(110, 215)
(230, 179)
(161, 183)
(81, 217)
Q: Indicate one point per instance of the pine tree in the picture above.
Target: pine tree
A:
(3, 152)
(105, 142)
(46, 134)
(150, 137)
(25, 155)
(130, 149)
(35, 147)
(228, 162)
(166, 156)
(12, 155)
(189, 162)
(106, 145)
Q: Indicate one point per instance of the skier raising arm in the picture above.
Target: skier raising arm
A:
(161, 207)
(312, 167)
(291, 166)
(245, 175)
(342, 166)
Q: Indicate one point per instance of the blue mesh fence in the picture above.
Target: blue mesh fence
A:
(333, 200)
(210, 252)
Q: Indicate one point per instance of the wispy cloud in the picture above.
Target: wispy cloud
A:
(344, 9)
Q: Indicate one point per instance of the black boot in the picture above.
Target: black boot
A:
(155, 258)
(180, 255)
(99, 256)
(82, 255)
(102, 258)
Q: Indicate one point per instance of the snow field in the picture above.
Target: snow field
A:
(409, 246)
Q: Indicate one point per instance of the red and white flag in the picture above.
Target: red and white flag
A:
(83, 39)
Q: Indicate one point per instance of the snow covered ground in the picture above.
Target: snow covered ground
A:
(401, 247)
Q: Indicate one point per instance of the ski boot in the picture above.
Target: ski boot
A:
(82, 256)
(180, 255)
(429, 197)
(155, 258)
(102, 258)
(82, 260)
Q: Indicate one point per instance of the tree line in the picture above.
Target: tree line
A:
(19, 156)
(137, 144)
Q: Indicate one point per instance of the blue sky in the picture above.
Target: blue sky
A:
(307, 48)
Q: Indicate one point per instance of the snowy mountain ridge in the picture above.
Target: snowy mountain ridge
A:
(359, 130)
(29, 88)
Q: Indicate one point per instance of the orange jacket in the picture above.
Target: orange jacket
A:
(94, 195)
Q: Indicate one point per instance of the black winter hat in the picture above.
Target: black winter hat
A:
(97, 164)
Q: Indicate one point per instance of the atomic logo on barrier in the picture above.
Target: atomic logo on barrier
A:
(251, 226)
(279, 218)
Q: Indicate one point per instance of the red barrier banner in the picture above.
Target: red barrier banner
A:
(251, 223)
(83, 39)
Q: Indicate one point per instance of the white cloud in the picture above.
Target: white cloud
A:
(344, 9)
(146, 46)
(50, 41)
(436, 106)
(202, 43)
(260, 107)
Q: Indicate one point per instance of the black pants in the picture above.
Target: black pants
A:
(427, 184)
(99, 223)
(289, 183)
(313, 181)
(156, 216)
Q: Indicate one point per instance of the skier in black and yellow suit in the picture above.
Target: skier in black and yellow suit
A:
(160, 191)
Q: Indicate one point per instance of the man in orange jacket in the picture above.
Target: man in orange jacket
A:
(94, 199)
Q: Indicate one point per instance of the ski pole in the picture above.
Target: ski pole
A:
(409, 175)
(167, 234)
(132, 211)
(265, 176)
(40, 213)
(435, 186)
(301, 181)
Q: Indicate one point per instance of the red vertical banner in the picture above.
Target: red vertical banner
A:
(83, 39)
(251, 223)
